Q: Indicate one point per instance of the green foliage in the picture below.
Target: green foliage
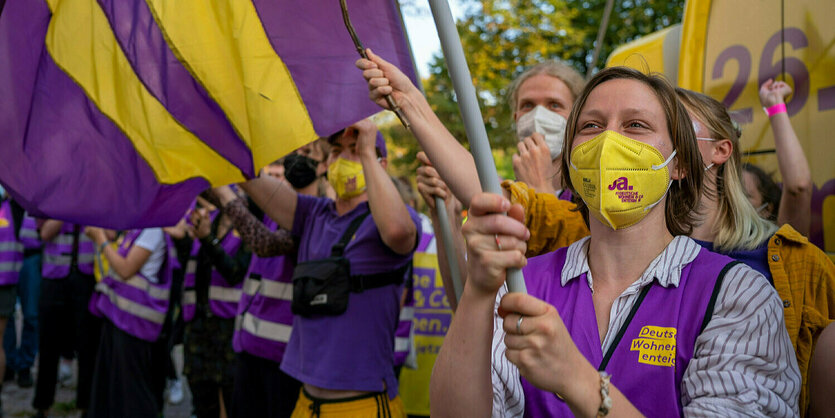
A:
(503, 37)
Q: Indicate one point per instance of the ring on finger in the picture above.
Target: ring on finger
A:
(519, 324)
(498, 244)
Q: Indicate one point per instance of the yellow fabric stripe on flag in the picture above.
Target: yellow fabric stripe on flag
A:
(225, 47)
(81, 42)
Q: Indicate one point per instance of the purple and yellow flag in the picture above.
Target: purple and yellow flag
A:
(119, 112)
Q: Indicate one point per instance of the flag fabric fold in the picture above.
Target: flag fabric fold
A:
(118, 113)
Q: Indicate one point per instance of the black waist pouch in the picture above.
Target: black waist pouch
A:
(321, 287)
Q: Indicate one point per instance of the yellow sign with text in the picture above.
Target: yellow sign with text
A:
(656, 346)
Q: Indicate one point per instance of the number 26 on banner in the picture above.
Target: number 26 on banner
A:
(796, 39)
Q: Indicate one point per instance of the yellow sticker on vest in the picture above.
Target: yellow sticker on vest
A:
(656, 346)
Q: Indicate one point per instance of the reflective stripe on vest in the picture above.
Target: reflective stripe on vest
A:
(29, 233)
(269, 288)
(130, 306)
(190, 297)
(224, 294)
(145, 286)
(11, 250)
(262, 328)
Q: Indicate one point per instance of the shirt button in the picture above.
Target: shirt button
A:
(787, 303)
(777, 241)
(775, 257)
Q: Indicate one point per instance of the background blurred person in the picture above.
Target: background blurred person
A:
(802, 274)
(65, 323)
(20, 357)
(133, 299)
(213, 285)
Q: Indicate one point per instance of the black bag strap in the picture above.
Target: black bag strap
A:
(364, 282)
(711, 304)
(338, 249)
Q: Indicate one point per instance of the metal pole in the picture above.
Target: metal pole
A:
(440, 207)
(470, 113)
(601, 33)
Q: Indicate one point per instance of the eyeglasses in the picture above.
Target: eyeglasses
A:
(706, 139)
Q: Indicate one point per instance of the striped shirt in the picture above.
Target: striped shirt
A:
(743, 362)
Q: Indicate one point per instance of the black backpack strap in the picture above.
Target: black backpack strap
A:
(339, 248)
(373, 281)
(716, 288)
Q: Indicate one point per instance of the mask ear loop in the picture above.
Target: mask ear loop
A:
(670, 183)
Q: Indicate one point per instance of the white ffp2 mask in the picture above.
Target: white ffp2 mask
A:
(550, 124)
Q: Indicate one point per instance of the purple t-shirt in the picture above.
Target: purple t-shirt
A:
(757, 258)
(355, 350)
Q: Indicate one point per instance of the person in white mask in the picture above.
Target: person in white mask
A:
(541, 99)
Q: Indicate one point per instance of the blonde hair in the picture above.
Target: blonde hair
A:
(559, 70)
(738, 226)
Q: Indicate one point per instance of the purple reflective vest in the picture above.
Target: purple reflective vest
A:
(223, 298)
(136, 305)
(649, 357)
(264, 321)
(29, 233)
(57, 254)
(11, 250)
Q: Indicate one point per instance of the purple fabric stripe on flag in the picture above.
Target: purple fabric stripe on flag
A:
(93, 162)
(169, 81)
(425, 240)
(310, 36)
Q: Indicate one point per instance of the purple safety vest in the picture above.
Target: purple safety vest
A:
(264, 321)
(223, 298)
(57, 254)
(29, 233)
(11, 250)
(652, 350)
(136, 305)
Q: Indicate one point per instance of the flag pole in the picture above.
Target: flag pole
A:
(470, 113)
(440, 207)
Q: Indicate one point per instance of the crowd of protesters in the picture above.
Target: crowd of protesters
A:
(665, 276)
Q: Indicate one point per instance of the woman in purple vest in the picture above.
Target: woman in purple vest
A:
(663, 328)
(346, 361)
(213, 286)
(133, 298)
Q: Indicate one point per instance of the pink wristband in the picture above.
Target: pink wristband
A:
(776, 109)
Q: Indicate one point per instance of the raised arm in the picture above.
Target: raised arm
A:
(796, 201)
(461, 383)
(50, 229)
(127, 266)
(450, 158)
(274, 196)
(263, 241)
(396, 227)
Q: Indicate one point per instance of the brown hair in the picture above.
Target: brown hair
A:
(683, 196)
(564, 72)
(738, 225)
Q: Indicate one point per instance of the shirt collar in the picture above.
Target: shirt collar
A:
(665, 268)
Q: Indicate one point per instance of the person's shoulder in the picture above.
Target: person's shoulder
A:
(800, 249)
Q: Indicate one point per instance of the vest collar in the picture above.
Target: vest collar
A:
(666, 268)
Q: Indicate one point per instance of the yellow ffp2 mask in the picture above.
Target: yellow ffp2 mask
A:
(620, 179)
(347, 178)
